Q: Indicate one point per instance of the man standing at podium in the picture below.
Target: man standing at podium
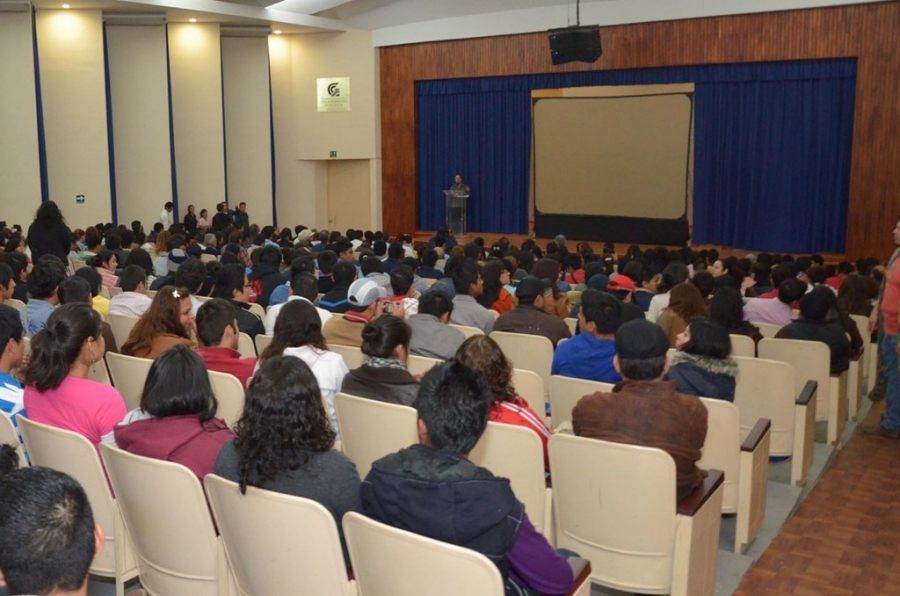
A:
(458, 184)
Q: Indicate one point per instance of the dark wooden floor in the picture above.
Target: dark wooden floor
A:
(844, 537)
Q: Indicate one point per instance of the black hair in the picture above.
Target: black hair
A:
(726, 308)
(113, 242)
(191, 274)
(491, 272)
(298, 324)
(47, 540)
(708, 338)
(402, 278)
(178, 385)
(464, 275)
(10, 325)
(131, 277)
(141, 258)
(45, 277)
(92, 277)
(791, 290)
(646, 369)
(228, 280)
(454, 402)
(705, 282)
(56, 347)
(305, 285)
(284, 422)
(381, 336)
(213, 317)
(343, 273)
(602, 309)
(48, 214)
(9, 459)
(74, 289)
(6, 275)
(395, 250)
(17, 262)
(303, 263)
(435, 303)
(327, 259)
(675, 273)
(429, 258)
(175, 241)
(371, 265)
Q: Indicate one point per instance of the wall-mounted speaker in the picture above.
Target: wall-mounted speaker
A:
(575, 44)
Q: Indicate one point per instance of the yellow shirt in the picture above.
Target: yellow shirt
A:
(101, 305)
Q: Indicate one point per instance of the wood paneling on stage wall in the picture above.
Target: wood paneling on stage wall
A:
(867, 31)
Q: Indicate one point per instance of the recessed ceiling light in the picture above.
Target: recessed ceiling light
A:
(192, 20)
(65, 6)
(277, 32)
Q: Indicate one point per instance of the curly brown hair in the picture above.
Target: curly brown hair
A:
(484, 356)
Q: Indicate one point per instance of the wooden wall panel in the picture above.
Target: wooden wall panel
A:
(865, 31)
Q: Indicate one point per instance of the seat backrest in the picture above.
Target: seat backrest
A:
(128, 374)
(114, 291)
(104, 291)
(262, 342)
(572, 324)
(862, 325)
(516, 453)
(230, 394)
(565, 393)
(392, 562)
(166, 515)
(722, 448)
(530, 386)
(615, 505)
(69, 452)
(206, 258)
(262, 532)
(767, 329)
(246, 346)
(99, 373)
(530, 352)
(352, 355)
(810, 359)
(258, 310)
(371, 429)
(742, 345)
(766, 389)
(467, 331)
(421, 364)
(16, 304)
(10, 436)
(121, 326)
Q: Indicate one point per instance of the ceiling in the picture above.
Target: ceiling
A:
(395, 22)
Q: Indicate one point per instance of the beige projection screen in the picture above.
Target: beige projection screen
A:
(613, 168)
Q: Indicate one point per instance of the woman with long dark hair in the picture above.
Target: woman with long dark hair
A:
(494, 295)
(141, 258)
(48, 234)
(298, 333)
(484, 356)
(384, 376)
(167, 323)
(176, 421)
(702, 366)
(727, 309)
(285, 442)
(57, 389)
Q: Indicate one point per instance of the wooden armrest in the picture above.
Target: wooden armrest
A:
(692, 503)
(581, 571)
(807, 394)
(756, 435)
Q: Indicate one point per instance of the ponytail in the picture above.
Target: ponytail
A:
(56, 347)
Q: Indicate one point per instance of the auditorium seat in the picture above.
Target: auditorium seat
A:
(742, 345)
(371, 429)
(529, 352)
(128, 375)
(230, 394)
(246, 346)
(565, 393)
(9, 436)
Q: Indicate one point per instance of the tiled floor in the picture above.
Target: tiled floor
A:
(844, 537)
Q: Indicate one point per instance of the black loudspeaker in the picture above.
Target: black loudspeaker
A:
(575, 44)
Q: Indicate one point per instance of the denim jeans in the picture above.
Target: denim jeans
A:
(892, 374)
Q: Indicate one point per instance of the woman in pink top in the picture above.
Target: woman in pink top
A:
(57, 390)
(484, 356)
(106, 264)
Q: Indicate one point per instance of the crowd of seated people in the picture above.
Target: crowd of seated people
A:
(378, 293)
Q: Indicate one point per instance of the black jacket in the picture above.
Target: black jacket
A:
(831, 334)
(55, 240)
(264, 278)
(703, 376)
(390, 385)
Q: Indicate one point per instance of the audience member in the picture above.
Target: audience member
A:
(12, 356)
(168, 322)
(133, 301)
(404, 292)
(285, 443)
(43, 282)
(432, 337)
(232, 285)
(298, 333)
(303, 287)
(57, 389)
(366, 302)
(814, 326)
(336, 300)
(468, 285)
(589, 355)
(484, 356)
(701, 365)
(685, 303)
(98, 302)
(77, 289)
(384, 376)
(423, 487)
(555, 302)
(727, 309)
(48, 234)
(529, 317)
(217, 334)
(675, 273)
(48, 537)
(176, 420)
(494, 295)
(644, 409)
(777, 311)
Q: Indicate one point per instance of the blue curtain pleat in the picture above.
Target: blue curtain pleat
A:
(772, 148)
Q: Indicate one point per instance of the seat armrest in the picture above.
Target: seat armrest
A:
(756, 435)
(692, 503)
(581, 571)
(807, 394)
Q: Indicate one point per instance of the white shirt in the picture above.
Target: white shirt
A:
(658, 304)
(133, 304)
(272, 314)
(165, 218)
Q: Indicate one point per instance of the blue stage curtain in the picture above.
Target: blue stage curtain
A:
(772, 148)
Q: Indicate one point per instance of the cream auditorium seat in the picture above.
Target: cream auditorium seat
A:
(565, 393)
(371, 429)
(529, 352)
(277, 543)
(128, 375)
(742, 345)
(10, 436)
(230, 394)
(73, 454)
